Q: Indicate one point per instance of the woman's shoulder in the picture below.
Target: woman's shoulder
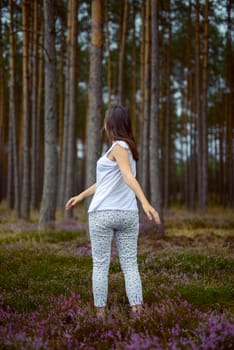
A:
(121, 143)
(125, 146)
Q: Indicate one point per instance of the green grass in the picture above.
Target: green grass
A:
(201, 279)
(203, 295)
(40, 236)
(35, 266)
(30, 273)
(29, 276)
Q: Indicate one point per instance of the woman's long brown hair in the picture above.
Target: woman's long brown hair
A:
(118, 127)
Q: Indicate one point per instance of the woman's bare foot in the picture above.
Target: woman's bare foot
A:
(137, 309)
(101, 313)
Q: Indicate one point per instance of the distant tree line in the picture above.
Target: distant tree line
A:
(62, 63)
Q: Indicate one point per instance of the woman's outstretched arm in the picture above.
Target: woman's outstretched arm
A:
(121, 156)
(80, 197)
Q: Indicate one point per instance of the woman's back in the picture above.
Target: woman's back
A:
(112, 193)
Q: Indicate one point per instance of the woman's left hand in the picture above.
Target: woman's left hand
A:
(151, 213)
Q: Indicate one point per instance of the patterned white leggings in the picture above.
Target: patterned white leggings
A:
(124, 226)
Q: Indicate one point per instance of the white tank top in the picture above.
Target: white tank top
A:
(112, 193)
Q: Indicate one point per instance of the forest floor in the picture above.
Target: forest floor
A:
(187, 276)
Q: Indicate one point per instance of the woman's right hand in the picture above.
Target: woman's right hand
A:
(71, 202)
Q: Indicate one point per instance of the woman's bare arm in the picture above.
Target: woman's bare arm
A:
(121, 156)
(80, 197)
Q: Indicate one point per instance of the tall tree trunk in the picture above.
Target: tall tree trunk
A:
(141, 119)
(48, 207)
(95, 93)
(10, 188)
(10, 175)
(229, 98)
(12, 111)
(168, 114)
(145, 147)
(133, 108)
(25, 205)
(64, 156)
(122, 52)
(61, 93)
(71, 156)
(192, 121)
(155, 178)
(109, 71)
(197, 93)
(3, 119)
(222, 169)
(34, 142)
(204, 111)
(216, 177)
(40, 111)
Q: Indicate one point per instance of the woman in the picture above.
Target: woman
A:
(113, 211)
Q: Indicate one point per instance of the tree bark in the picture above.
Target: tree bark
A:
(155, 178)
(133, 108)
(229, 98)
(10, 175)
(48, 207)
(145, 147)
(3, 118)
(12, 112)
(25, 205)
(122, 52)
(64, 156)
(95, 93)
(40, 111)
(71, 154)
(109, 70)
(34, 152)
(197, 93)
(192, 121)
(62, 67)
(167, 114)
(141, 119)
(204, 111)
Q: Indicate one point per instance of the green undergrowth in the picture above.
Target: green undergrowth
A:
(29, 276)
(200, 222)
(42, 236)
(31, 272)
